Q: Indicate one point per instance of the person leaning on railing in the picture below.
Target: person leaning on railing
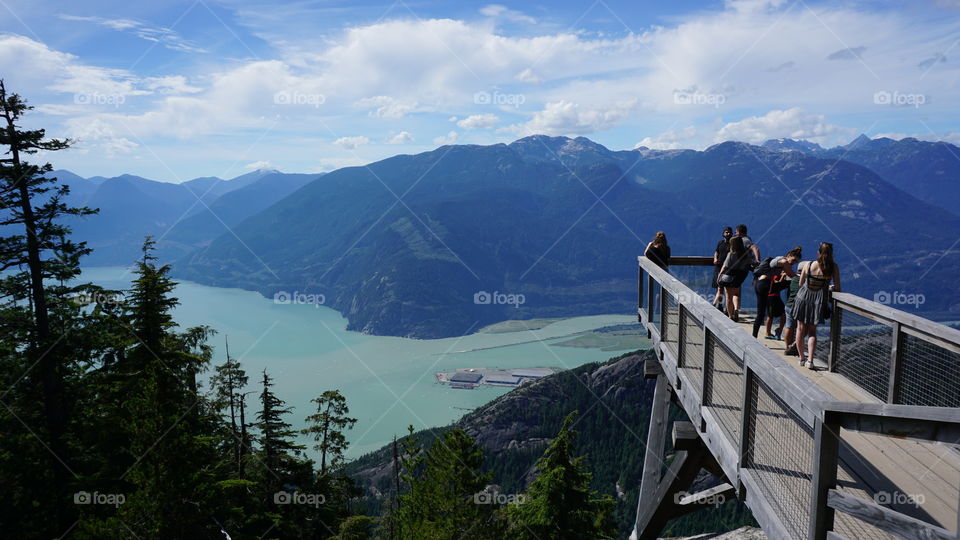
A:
(812, 305)
(658, 250)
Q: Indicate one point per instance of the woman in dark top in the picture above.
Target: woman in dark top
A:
(720, 255)
(813, 301)
(734, 271)
(658, 250)
(763, 284)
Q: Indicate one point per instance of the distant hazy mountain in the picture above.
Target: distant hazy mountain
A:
(524, 218)
(234, 206)
(132, 207)
(927, 170)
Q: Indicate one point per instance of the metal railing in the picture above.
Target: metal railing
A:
(897, 357)
(763, 420)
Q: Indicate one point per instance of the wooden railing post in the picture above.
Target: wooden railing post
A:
(835, 332)
(826, 452)
(896, 364)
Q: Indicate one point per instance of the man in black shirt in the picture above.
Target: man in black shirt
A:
(720, 255)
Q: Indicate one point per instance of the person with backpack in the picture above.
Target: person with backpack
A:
(658, 250)
(719, 256)
(813, 305)
(763, 277)
(748, 242)
(735, 269)
(789, 336)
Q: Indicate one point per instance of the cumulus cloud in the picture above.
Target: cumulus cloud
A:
(670, 140)
(449, 138)
(790, 123)
(258, 165)
(479, 121)
(566, 118)
(351, 143)
(403, 137)
(386, 106)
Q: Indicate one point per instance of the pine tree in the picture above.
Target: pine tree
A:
(276, 436)
(38, 248)
(228, 398)
(443, 501)
(327, 427)
(559, 503)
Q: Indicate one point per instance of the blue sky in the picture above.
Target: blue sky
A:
(174, 90)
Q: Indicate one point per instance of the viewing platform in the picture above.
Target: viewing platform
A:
(864, 446)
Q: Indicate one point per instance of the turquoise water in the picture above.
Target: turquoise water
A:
(389, 382)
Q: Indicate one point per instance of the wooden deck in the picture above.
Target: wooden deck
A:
(907, 470)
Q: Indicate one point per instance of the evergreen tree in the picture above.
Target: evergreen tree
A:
(327, 427)
(445, 501)
(276, 436)
(559, 503)
(228, 383)
(37, 248)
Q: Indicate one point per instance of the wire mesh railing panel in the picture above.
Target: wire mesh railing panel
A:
(692, 348)
(671, 323)
(726, 389)
(865, 348)
(780, 456)
(930, 374)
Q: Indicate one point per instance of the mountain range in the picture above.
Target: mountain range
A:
(182, 217)
(440, 243)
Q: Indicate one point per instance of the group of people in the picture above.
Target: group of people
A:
(807, 285)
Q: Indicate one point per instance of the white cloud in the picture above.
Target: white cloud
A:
(791, 123)
(258, 165)
(449, 138)
(157, 34)
(351, 143)
(670, 140)
(479, 121)
(501, 11)
(386, 106)
(566, 118)
(170, 84)
(403, 137)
